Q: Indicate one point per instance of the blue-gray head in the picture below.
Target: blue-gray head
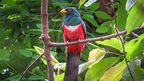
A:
(70, 11)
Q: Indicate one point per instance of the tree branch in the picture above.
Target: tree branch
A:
(92, 39)
(45, 37)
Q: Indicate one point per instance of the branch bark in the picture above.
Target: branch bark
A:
(92, 39)
(45, 37)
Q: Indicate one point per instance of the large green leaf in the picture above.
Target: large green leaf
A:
(114, 73)
(113, 42)
(97, 70)
(90, 19)
(135, 18)
(135, 47)
(26, 53)
(121, 16)
(103, 28)
(102, 15)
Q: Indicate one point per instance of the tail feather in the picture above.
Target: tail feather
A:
(72, 67)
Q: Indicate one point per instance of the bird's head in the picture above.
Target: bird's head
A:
(70, 11)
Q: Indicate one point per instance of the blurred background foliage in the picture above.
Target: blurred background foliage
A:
(20, 28)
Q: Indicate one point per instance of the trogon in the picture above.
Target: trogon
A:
(74, 29)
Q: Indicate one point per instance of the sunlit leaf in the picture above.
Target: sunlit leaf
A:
(114, 73)
(113, 42)
(97, 70)
(135, 47)
(59, 77)
(40, 51)
(96, 55)
(81, 2)
(135, 18)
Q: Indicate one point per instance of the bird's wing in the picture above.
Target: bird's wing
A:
(84, 28)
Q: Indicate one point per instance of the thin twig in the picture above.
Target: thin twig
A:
(124, 53)
(58, 44)
(134, 34)
(25, 71)
(122, 42)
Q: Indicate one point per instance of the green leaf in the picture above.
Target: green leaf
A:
(103, 28)
(14, 77)
(102, 15)
(36, 77)
(121, 16)
(59, 77)
(26, 52)
(27, 41)
(56, 20)
(135, 19)
(96, 55)
(8, 2)
(114, 73)
(90, 19)
(135, 47)
(40, 51)
(113, 42)
(97, 70)
(94, 6)
(4, 55)
(139, 72)
(136, 70)
(81, 2)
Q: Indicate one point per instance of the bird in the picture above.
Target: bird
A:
(74, 29)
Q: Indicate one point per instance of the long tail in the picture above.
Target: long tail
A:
(72, 66)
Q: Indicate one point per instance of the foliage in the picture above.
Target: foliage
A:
(20, 26)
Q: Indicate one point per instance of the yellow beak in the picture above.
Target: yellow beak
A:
(63, 11)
